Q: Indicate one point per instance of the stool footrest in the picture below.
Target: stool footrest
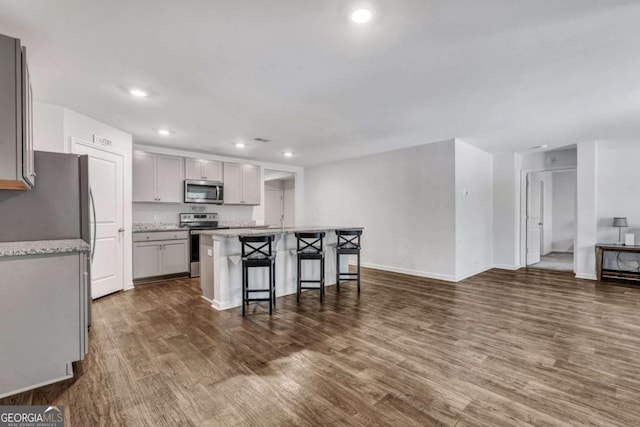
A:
(257, 299)
(259, 290)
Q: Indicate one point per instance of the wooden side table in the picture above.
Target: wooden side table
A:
(610, 274)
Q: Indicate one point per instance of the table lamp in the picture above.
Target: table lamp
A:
(620, 222)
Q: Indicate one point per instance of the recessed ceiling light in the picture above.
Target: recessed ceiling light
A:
(240, 145)
(164, 132)
(537, 147)
(288, 154)
(361, 16)
(138, 93)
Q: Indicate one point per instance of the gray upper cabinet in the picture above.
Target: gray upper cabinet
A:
(201, 169)
(251, 184)
(16, 135)
(241, 184)
(157, 178)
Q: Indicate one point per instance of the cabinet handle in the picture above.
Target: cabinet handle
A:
(33, 174)
(120, 230)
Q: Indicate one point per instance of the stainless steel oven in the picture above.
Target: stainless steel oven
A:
(209, 192)
(196, 222)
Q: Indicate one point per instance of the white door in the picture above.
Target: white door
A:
(106, 179)
(273, 206)
(534, 220)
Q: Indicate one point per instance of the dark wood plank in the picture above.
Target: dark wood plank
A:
(503, 348)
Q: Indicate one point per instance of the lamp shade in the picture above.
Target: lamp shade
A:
(620, 222)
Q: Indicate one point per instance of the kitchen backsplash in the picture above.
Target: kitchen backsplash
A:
(169, 213)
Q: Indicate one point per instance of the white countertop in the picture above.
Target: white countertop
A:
(42, 247)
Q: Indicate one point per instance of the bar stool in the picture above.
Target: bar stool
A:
(257, 252)
(310, 247)
(348, 244)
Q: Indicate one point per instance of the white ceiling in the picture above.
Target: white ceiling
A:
(500, 74)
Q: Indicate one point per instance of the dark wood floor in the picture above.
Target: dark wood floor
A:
(503, 348)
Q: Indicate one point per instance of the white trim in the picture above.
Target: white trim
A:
(206, 299)
(586, 276)
(507, 267)
(73, 140)
(475, 273)
(523, 209)
(410, 272)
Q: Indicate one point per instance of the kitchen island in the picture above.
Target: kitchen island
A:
(221, 263)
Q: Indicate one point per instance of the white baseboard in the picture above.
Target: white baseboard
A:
(206, 299)
(225, 305)
(410, 272)
(507, 267)
(586, 276)
(466, 276)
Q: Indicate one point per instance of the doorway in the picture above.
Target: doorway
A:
(279, 198)
(106, 181)
(551, 219)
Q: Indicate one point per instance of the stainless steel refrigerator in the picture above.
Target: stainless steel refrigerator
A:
(57, 207)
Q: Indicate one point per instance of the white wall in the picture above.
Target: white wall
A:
(506, 210)
(289, 187)
(586, 212)
(53, 129)
(170, 212)
(405, 199)
(564, 211)
(48, 127)
(544, 160)
(474, 210)
(618, 188)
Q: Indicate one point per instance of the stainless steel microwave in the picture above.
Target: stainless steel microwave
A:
(211, 192)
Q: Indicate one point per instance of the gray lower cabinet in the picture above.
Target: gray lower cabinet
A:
(44, 311)
(160, 253)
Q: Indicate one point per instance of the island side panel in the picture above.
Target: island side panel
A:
(206, 268)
